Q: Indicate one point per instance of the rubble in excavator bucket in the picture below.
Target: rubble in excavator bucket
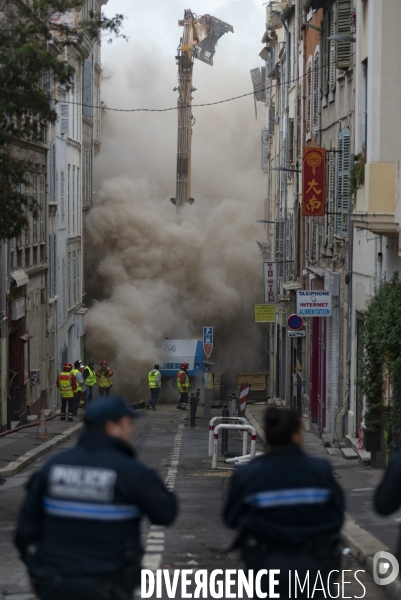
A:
(208, 31)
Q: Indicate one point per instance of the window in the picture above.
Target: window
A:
(329, 217)
(343, 176)
(64, 125)
(309, 99)
(36, 209)
(41, 215)
(62, 196)
(52, 265)
(343, 57)
(279, 231)
(291, 141)
(332, 50)
(78, 204)
(299, 126)
(73, 230)
(69, 280)
(288, 246)
(316, 91)
(69, 199)
(64, 288)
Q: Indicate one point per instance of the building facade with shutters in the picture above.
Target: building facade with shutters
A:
(310, 104)
(376, 218)
(75, 138)
(43, 292)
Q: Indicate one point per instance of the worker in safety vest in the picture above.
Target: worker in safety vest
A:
(67, 384)
(183, 386)
(155, 383)
(89, 376)
(80, 382)
(104, 375)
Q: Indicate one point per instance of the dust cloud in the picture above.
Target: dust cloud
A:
(150, 276)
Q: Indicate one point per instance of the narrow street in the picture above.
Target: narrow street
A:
(198, 539)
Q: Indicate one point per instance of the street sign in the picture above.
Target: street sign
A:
(296, 334)
(294, 322)
(265, 313)
(207, 341)
(313, 303)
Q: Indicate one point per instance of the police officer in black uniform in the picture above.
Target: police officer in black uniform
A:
(78, 528)
(388, 495)
(287, 506)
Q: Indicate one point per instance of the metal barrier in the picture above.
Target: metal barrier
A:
(244, 428)
(220, 418)
(242, 459)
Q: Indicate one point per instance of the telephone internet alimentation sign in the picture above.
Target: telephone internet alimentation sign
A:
(313, 303)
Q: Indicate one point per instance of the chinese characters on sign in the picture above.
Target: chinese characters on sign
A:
(314, 182)
(270, 282)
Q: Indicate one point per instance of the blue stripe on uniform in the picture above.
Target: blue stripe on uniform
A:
(88, 510)
(289, 497)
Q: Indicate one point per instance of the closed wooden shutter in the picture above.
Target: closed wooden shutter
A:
(308, 98)
(332, 66)
(279, 231)
(316, 90)
(64, 117)
(329, 217)
(87, 88)
(290, 141)
(343, 176)
(343, 57)
(325, 53)
(288, 247)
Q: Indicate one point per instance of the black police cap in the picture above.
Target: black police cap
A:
(109, 408)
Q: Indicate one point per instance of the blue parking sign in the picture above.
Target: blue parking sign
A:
(208, 335)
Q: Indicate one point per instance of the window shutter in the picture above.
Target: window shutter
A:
(314, 240)
(299, 126)
(308, 98)
(64, 287)
(332, 67)
(263, 90)
(329, 218)
(294, 61)
(307, 237)
(36, 211)
(279, 228)
(290, 59)
(51, 269)
(272, 116)
(53, 197)
(87, 88)
(288, 246)
(325, 54)
(257, 83)
(343, 176)
(42, 211)
(64, 117)
(290, 141)
(54, 266)
(343, 58)
(62, 195)
(316, 89)
(265, 149)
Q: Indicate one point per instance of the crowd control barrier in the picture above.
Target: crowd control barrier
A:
(244, 428)
(220, 418)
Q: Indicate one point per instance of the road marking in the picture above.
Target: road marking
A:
(363, 489)
(154, 545)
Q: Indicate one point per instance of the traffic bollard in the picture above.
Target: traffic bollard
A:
(192, 407)
(224, 434)
(197, 397)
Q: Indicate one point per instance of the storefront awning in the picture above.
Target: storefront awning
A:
(292, 285)
(19, 278)
(26, 337)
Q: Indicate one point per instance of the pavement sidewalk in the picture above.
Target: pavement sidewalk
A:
(20, 448)
(364, 531)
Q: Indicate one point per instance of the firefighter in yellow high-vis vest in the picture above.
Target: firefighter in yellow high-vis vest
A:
(67, 384)
(155, 383)
(89, 376)
(104, 376)
(183, 386)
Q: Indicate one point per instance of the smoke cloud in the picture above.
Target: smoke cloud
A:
(151, 276)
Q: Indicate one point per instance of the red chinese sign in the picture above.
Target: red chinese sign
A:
(314, 182)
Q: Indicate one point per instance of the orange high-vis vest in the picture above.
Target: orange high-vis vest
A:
(65, 385)
(182, 387)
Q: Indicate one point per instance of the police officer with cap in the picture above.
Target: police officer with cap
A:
(78, 528)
